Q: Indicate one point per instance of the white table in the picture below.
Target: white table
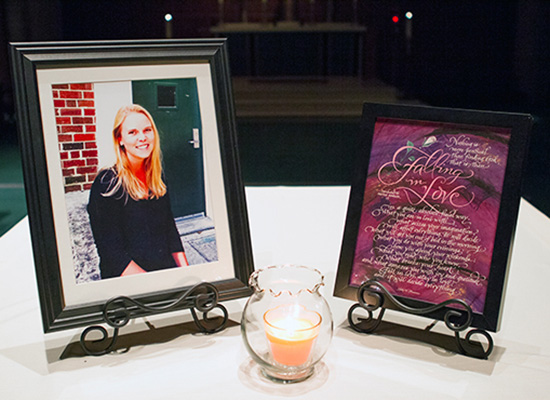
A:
(295, 225)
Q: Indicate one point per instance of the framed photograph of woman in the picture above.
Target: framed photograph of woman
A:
(131, 173)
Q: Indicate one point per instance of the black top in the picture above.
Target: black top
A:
(125, 229)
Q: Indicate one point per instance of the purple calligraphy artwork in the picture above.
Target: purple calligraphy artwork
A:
(430, 209)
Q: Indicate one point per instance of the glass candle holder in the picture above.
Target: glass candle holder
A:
(287, 324)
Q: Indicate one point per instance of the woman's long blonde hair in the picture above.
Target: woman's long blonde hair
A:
(156, 187)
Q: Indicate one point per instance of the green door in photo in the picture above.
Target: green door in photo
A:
(174, 105)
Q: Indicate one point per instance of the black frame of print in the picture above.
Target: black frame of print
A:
(519, 126)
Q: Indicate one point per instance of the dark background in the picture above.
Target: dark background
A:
(492, 55)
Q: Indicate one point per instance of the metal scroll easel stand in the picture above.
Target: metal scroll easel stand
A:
(117, 313)
(458, 318)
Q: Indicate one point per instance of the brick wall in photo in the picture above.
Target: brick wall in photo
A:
(76, 133)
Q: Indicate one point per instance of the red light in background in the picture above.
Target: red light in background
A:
(395, 19)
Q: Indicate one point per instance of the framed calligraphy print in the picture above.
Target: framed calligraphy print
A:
(433, 206)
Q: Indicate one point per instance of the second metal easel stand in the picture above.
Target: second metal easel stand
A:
(457, 319)
(118, 312)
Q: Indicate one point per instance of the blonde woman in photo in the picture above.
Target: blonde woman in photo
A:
(129, 207)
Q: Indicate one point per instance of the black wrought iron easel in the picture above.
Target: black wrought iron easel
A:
(118, 312)
(457, 319)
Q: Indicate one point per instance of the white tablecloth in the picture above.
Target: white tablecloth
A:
(288, 225)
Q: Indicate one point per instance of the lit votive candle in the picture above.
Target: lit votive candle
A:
(291, 331)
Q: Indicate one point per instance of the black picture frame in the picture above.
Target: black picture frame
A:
(362, 256)
(107, 60)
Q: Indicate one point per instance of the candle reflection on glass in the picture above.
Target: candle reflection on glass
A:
(291, 331)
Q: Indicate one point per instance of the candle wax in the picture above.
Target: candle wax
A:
(291, 339)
